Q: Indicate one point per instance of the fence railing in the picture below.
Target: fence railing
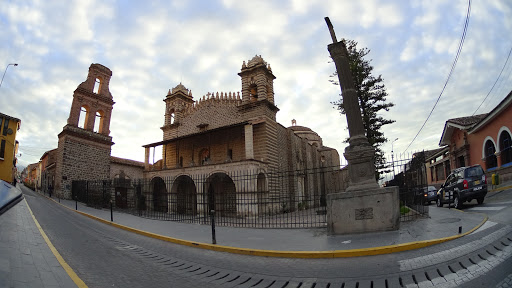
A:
(293, 199)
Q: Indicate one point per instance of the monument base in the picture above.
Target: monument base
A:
(358, 211)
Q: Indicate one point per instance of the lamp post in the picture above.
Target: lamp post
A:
(13, 64)
(393, 158)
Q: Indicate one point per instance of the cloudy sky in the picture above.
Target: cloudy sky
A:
(151, 46)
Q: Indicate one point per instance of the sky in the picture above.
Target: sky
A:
(152, 46)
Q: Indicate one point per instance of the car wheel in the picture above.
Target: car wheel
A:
(480, 200)
(456, 202)
(439, 202)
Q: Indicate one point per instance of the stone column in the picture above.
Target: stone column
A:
(249, 143)
(363, 206)
(146, 159)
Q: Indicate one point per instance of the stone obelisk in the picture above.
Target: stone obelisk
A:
(363, 206)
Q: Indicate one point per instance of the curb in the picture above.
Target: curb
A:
(500, 189)
(288, 254)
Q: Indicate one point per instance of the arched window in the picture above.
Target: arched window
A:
(82, 119)
(505, 147)
(98, 122)
(490, 158)
(171, 118)
(97, 86)
(253, 92)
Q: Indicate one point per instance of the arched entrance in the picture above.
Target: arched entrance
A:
(221, 194)
(186, 195)
(160, 202)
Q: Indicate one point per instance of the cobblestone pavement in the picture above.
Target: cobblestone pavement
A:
(506, 283)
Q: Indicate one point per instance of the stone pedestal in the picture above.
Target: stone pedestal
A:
(363, 211)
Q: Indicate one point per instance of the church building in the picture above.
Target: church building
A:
(228, 146)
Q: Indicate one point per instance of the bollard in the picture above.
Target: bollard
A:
(111, 213)
(76, 204)
(212, 217)
(460, 229)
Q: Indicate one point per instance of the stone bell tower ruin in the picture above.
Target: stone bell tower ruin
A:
(84, 147)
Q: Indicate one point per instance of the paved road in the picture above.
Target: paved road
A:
(104, 256)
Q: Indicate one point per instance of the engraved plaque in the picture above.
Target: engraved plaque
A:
(364, 213)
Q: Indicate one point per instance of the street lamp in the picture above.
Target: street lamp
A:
(393, 158)
(13, 64)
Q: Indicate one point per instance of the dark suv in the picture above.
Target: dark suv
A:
(463, 184)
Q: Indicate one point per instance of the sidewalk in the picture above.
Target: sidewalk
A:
(442, 225)
(25, 258)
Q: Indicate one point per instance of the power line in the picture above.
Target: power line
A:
(494, 81)
(461, 43)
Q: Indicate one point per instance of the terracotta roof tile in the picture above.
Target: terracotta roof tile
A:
(468, 120)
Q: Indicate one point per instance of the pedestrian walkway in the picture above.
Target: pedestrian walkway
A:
(26, 260)
(443, 224)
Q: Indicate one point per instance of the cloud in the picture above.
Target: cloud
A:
(151, 47)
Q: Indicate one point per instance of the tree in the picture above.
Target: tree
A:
(371, 93)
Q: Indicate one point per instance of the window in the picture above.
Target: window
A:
(491, 160)
(82, 120)
(462, 163)
(204, 156)
(6, 127)
(230, 154)
(98, 122)
(1, 119)
(505, 148)
(2, 150)
(97, 86)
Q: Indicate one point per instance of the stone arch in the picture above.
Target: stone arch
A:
(160, 196)
(221, 194)
(488, 150)
(186, 195)
(505, 145)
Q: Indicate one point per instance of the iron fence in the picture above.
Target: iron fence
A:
(408, 172)
(292, 199)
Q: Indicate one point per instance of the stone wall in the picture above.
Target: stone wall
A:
(126, 167)
(81, 155)
(213, 112)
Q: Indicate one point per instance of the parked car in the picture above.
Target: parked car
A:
(463, 184)
(430, 194)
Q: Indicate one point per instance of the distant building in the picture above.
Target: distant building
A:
(8, 147)
(48, 164)
(224, 134)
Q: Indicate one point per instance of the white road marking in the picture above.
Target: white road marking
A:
(488, 208)
(487, 224)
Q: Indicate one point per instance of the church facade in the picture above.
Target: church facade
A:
(229, 147)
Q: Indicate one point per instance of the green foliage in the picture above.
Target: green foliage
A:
(372, 94)
(404, 210)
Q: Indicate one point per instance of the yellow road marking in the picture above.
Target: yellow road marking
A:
(289, 254)
(65, 265)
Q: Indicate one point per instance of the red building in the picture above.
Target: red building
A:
(483, 139)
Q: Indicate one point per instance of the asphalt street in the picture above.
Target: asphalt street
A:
(105, 256)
